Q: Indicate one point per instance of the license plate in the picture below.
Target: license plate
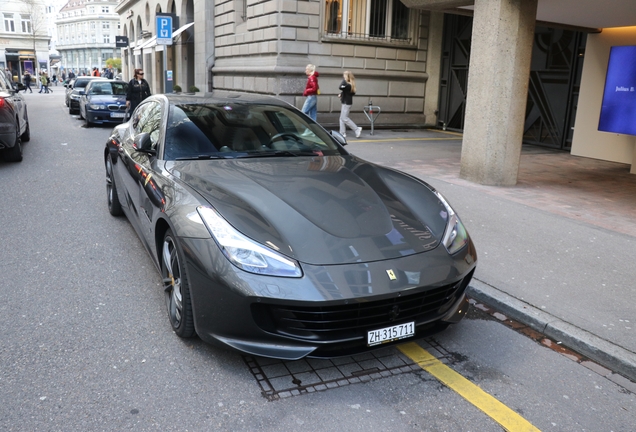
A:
(117, 115)
(390, 334)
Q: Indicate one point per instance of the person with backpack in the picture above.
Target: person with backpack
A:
(44, 82)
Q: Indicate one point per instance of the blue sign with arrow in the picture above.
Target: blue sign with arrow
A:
(164, 30)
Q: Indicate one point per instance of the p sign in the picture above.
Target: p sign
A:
(164, 30)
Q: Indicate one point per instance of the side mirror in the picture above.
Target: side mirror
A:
(143, 143)
(338, 137)
(19, 86)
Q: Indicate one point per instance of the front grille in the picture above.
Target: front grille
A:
(349, 321)
(114, 107)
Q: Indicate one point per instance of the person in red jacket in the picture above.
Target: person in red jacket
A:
(312, 90)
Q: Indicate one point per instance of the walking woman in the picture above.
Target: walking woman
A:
(138, 90)
(311, 92)
(347, 90)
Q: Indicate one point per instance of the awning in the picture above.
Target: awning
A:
(148, 44)
(181, 30)
(153, 40)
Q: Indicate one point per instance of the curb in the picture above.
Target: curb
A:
(605, 353)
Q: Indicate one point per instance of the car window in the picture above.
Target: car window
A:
(5, 84)
(147, 118)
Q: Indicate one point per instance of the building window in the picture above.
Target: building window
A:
(91, 10)
(9, 24)
(25, 20)
(387, 20)
(105, 9)
(92, 25)
(106, 38)
(105, 26)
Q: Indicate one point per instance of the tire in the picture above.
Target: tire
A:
(70, 109)
(79, 111)
(114, 206)
(26, 136)
(14, 154)
(87, 122)
(176, 287)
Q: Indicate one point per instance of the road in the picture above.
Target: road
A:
(87, 346)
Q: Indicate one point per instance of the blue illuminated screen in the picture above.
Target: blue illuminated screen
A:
(618, 112)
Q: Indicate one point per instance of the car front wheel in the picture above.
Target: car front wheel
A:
(176, 287)
(114, 206)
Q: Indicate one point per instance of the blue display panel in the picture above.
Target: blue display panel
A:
(618, 112)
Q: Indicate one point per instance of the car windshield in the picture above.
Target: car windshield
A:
(108, 88)
(238, 130)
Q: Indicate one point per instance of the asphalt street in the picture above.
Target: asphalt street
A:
(86, 343)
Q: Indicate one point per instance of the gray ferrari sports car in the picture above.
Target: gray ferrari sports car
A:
(272, 239)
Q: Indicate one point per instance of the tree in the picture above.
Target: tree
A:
(114, 63)
(35, 10)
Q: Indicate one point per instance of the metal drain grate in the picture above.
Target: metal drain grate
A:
(282, 379)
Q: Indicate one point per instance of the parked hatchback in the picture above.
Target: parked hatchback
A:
(14, 121)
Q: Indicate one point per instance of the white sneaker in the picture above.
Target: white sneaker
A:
(358, 132)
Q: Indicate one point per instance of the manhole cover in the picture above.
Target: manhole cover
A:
(281, 379)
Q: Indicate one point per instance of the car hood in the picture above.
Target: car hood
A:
(321, 210)
(107, 99)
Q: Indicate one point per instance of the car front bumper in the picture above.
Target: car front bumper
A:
(330, 310)
(101, 117)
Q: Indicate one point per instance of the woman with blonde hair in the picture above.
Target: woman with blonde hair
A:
(347, 90)
(312, 91)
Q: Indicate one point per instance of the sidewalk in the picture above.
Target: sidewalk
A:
(556, 252)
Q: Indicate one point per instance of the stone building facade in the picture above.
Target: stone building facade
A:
(86, 31)
(263, 47)
(24, 41)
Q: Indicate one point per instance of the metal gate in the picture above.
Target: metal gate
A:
(555, 77)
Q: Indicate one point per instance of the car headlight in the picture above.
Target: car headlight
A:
(96, 107)
(455, 235)
(244, 252)
(75, 96)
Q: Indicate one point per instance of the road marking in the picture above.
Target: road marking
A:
(407, 139)
(506, 417)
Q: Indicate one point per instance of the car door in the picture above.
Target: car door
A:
(137, 165)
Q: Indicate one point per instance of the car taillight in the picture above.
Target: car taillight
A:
(2, 102)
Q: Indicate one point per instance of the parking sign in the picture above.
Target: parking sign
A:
(164, 30)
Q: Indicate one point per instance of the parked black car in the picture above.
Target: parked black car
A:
(273, 240)
(75, 92)
(14, 120)
(103, 101)
(69, 87)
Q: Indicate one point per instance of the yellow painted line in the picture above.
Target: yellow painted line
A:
(407, 139)
(506, 417)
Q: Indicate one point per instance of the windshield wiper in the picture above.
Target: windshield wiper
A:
(201, 156)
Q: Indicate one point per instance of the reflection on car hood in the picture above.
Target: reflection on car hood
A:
(321, 210)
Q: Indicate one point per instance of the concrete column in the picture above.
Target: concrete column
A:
(498, 77)
(433, 66)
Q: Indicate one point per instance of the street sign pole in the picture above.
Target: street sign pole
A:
(164, 37)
